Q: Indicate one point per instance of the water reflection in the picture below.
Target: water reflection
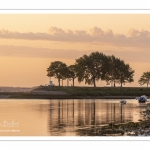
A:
(65, 117)
(69, 117)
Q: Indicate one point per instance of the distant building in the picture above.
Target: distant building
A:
(51, 83)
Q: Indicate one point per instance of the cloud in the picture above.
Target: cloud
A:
(133, 32)
(136, 33)
(24, 51)
(136, 38)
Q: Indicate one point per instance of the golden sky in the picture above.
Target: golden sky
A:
(30, 42)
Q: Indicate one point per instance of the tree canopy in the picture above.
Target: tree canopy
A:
(58, 70)
(145, 78)
(119, 72)
(112, 75)
(125, 73)
(93, 67)
(72, 73)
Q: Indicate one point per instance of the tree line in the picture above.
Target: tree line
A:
(145, 78)
(92, 68)
(97, 66)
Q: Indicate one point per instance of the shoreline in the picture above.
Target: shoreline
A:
(38, 96)
(63, 92)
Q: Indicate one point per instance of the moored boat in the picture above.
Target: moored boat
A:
(123, 102)
(142, 99)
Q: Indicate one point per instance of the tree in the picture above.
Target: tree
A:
(126, 74)
(58, 70)
(92, 68)
(113, 74)
(145, 78)
(119, 72)
(72, 73)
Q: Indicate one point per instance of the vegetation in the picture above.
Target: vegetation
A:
(94, 67)
(97, 66)
(70, 92)
(71, 73)
(140, 128)
(145, 78)
(118, 71)
(126, 74)
(99, 91)
(58, 70)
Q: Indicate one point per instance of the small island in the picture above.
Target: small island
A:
(70, 92)
(89, 69)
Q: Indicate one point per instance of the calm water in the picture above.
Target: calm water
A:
(63, 117)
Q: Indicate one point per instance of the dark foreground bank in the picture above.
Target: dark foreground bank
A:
(56, 92)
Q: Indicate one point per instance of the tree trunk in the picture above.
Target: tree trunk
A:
(121, 81)
(114, 84)
(59, 81)
(62, 82)
(94, 82)
(67, 82)
(73, 81)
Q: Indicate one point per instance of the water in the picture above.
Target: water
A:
(63, 117)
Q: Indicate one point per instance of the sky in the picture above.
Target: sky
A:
(30, 42)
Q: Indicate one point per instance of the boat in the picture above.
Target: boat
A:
(123, 102)
(142, 99)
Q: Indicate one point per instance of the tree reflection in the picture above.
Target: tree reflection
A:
(85, 117)
(93, 112)
(80, 114)
(114, 112)
(121, 113)
(73, 111)
(87, 112)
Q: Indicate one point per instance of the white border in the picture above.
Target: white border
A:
(74, 11)
(58, 7)
(74, 4)
(74, 138)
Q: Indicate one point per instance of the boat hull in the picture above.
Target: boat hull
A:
(142, 101)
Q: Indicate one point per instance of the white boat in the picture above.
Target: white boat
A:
(142, 99)
(123, 102)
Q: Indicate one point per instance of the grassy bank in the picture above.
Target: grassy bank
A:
(56, 92)
(99, 91)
